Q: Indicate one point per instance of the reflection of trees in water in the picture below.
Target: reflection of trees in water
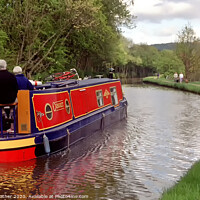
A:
(188, 120)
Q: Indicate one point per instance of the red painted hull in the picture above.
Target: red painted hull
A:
(17, 155)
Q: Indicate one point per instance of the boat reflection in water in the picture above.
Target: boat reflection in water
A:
(78, 173)
(17, 179)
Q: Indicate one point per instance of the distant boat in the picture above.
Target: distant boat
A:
(59, 114)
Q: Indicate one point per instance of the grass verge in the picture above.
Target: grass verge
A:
(188, 188)
(190, 87)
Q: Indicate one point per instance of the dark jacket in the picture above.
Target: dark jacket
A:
(23, 82)
(8, 87)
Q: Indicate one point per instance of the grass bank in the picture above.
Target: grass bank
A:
(188, 188)
(190, 87)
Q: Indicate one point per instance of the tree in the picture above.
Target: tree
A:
(187, 50)
(147, 54)
(168, 63)
(146, 60)
(46, 36)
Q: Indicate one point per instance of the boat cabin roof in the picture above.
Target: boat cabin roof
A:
(74, 83)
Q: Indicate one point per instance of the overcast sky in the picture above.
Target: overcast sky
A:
(159, 21)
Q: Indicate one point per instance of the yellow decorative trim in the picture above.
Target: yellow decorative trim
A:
(92, 111)
(11, 144)
(106, 93)
(58, 105)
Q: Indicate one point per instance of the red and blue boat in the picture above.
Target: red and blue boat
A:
(59, 114)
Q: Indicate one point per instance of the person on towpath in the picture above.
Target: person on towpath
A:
(181, 77)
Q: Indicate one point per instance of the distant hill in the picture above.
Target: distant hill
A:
(165, 46)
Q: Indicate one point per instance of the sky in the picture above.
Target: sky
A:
(159, 21)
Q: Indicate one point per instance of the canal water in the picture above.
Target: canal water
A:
(137, 158)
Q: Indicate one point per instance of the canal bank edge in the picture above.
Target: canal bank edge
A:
(193, 87)
(188, 187)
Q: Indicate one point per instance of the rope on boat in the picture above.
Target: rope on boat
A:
(103, 121)
(126, 112)
(68, 136)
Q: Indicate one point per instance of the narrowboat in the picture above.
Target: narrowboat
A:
(59, 114)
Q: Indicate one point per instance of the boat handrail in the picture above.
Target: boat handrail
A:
(11, 105)
(58, 84)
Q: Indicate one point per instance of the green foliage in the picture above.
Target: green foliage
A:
(152, 60)
(168, 63)
(187, 188)
(3, 42)
(49, 36)
(188, 51)
(54, 35)
(147, 54)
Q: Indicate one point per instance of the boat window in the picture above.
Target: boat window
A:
(99, 95)
(48, 112)
(67, 107)
(114, 97)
